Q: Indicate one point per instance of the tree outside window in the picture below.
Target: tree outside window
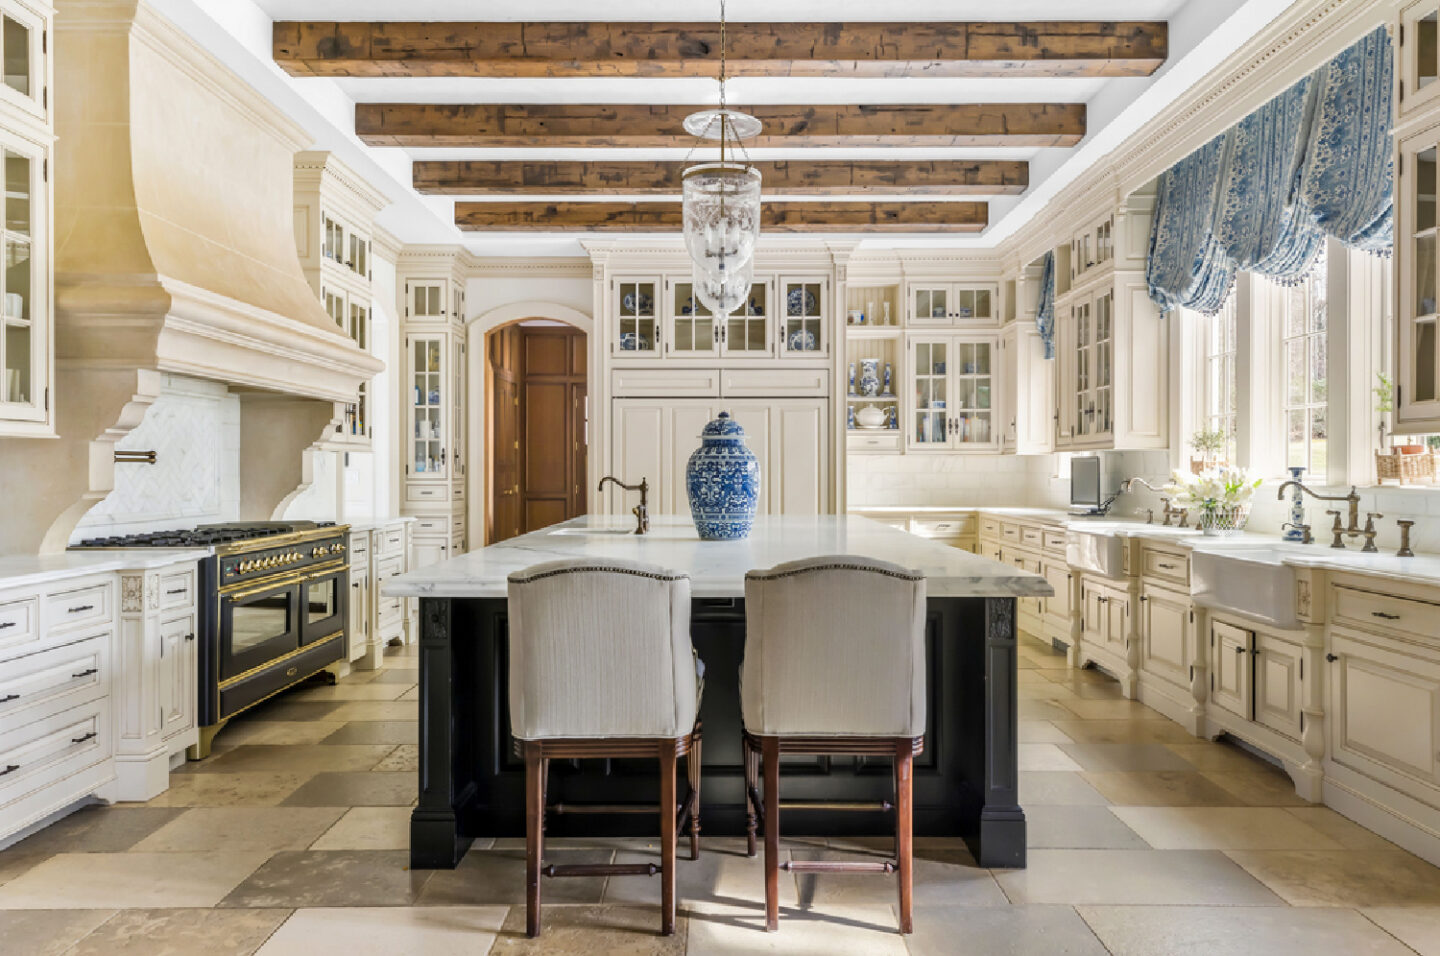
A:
(1304, 324)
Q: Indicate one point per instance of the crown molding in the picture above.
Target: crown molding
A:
(323, 171)
(531, 267)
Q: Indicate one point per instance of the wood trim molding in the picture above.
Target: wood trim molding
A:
(803, 217)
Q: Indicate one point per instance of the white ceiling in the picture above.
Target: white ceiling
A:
(1202, 33)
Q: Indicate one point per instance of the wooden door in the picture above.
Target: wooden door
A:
(503, 414)
(552, 427)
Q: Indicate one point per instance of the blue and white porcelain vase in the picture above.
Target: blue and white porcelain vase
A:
(869, 377)
(887, 379)
(1293, 528)
(723, 482)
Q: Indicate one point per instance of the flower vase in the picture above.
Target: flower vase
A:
(887, 379)
(1217, 521)
(1293, 529)
(722, 480)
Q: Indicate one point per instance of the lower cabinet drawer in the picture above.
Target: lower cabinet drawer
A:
(80, 606)
(1384, 612)
(392, 541)
(45, 751)
(1055, 543)
(944, 527)
(1166, 566)
(435, 492)
(872, 441)
(17, 624)
(54, 679)
(177, 589)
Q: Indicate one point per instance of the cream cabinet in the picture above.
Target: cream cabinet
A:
(806, 316)
(950, 402)
(951, 303)
(1105, 628)
(26, 282)
(1279, 700)
(1417, 372)
(1384, 709)
(1167, 638)
(654, 439)
(659, 316)
(1027, 389)
(1418, 60)
(1092, 248)
(178, 673)
(1231, 670)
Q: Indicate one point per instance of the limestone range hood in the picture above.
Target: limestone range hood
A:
(174, 253)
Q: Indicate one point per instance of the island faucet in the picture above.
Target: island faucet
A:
(1353, 530)
(1182, 513)
(640, 511)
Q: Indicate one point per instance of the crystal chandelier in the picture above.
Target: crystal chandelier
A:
(721, 205)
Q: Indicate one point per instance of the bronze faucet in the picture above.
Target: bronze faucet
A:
(640, 511)
(1182, 513)
(1353, 499)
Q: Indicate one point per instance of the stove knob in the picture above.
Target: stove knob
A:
(243, 566)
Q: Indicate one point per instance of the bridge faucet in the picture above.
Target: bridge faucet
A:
(640, 511)
(1181, 513)
(1352, 499)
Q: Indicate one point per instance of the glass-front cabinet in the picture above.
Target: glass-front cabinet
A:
(637, 317)
(25, 318)
(1417, 352)
(1419, 57)
(693, 328)
(951, 403)
(805, 304)
(746, 331)
(429, 408)
(952, 303)
(1087, 343)
(24, 45)
(661, 316)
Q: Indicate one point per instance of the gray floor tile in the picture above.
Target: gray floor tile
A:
(331, 878)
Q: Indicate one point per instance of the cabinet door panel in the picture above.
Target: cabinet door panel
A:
(1230, 663)
(1117, 622)
(639, 428)
(177, 675)
(799, 452)
(682, 436)
(1277, 684)
(1385, 711)
(1058, 574)
(1165, 635)
(758, 420)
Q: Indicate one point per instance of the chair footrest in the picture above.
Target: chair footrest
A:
(562, 808)
(838, 866)
(601, 869)
(871, 805)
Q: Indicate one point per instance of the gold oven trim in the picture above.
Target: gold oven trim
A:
(243, 589)
(304, 649)
(280, 540)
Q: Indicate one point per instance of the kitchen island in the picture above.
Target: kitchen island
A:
(472, 783)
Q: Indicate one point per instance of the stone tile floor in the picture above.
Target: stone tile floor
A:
(292, 838)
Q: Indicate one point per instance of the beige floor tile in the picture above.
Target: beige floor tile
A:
(1041, 732)
(583, 930)
(722, 874)
(229, 789)
(1065, 789)
(348, 692)
(286, 708)
(128, 880)
(393, 732)
(942, 878)
(1416, 926)
(491, 877)
(368, 828)
(331, 878)
(1042, 710)
(356, 790)
(14, 862)
(1147, 877)
(1223, 828)
(1124, 731)
(181, 932)
(404, 758)
(47, 932)
(315, 758)
(1117, 708)
(1002, 931)
(411, 694)
(395, 674)
(1346, 832)
(95, 830)
(1076, 828)
(1342, 877)
(227, 829)
(277, 732)
(1163, 788)
(1125, 757)
(1236, 931)
(1265, 788)
(1220, 756)
(1045, 757)
(376, 710)
(841, 930)
(1038, 688)
(1090, 675)
(388, 931)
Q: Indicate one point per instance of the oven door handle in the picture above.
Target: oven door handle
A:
(326, 572)
(264, 589)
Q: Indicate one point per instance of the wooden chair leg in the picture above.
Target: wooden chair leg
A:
(904, 832)
(771, 754)
(667, 838)
(534, 834)
(692, 769)
(752, 785)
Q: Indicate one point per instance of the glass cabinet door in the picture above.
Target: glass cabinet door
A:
(1417, 350)
(20, 50)
(1418, 55)
(21, 345)
(929, 303)
(637, 310)
(427, 300)
(1104, 360)
(971, 419)
(428, 410)
(973, 303)
(747, 329)
(693, 329)
(1084, 360)
(804, 329)
(930, 412)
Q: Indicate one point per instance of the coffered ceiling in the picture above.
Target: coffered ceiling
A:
(913, 122)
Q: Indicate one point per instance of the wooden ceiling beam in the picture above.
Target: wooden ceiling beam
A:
(639, 125)
(811, 217)
(819, 178)
(510, 49)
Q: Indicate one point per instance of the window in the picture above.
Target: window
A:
(1221, 387)
(1303, 325)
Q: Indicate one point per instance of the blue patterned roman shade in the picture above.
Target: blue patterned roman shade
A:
(1045, 307)
(1262, 197)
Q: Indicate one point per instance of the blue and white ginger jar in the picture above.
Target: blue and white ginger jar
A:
(723, 482)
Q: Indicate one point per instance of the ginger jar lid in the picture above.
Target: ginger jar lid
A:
(722, 426)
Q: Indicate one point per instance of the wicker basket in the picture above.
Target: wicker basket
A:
(1217, 522)
(1406, 469)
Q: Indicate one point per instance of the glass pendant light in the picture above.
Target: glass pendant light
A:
(721, 205)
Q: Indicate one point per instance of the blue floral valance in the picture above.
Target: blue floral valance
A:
(1262, 197)
(1045, 307)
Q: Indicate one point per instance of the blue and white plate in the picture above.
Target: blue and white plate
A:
(634, 305)
(801, 340)
(800, 301)
(630, 342)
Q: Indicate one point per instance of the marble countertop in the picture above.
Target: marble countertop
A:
(28, 570)
(370, 524)
(717, 568)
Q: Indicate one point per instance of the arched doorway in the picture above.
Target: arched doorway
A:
(532, 386)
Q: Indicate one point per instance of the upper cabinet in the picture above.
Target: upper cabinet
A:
(1092, 248)
(805, 332)
(951, 404)
(952, 303)
(1419, 59)
(26, 282)
(1417, 345)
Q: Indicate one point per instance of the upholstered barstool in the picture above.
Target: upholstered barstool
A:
(601, 665)
(834, 665)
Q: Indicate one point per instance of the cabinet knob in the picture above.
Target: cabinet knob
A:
(1331, 658)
